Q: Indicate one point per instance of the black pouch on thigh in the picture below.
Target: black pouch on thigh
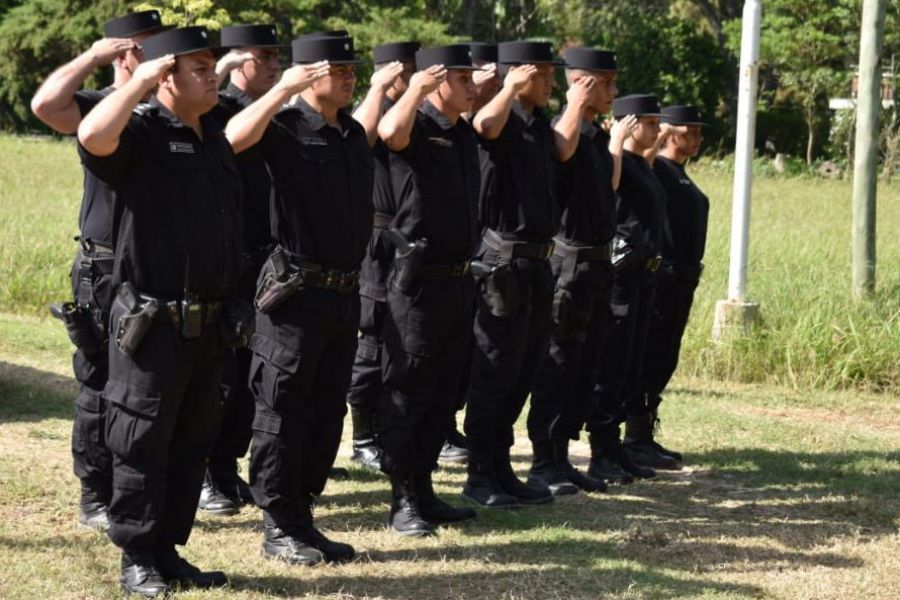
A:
(272, 368)
(132, 428)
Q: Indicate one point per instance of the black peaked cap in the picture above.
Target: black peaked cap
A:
(526, 53)
(454, 56)
(315, 35)
(639, 105)
(250, 36)
(336, 50)
(133, 24)
(402, 51)
(590, 59)
(183, 40)
(483, 51)
(680, 114)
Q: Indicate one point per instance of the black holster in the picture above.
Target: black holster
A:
(237, 323)
(138, 314)
(408, 257)
(280, 280)
(500, 290)
(80, 326)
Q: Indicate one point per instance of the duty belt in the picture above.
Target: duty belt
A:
(319, 276)
(509, 249)
(583, 253)
(448, 271)
(382, 220)
(173, 311)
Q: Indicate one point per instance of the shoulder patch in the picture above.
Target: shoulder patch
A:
(143, 109)
(442, 142)
(313, 141)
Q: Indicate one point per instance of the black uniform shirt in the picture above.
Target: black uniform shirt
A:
(181, 205)
(643, 200)
(383, 194)
(255, 175)
(523, 202)
(586, 195)
(688, 211)
(436, 182)
(95, 217)
(323, 186)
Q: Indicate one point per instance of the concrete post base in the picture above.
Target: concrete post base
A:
(734, 319)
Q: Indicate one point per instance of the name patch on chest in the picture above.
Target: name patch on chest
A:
(685, 182)
(528, 137)
(313, 141)
(181, 148)
(442, 142)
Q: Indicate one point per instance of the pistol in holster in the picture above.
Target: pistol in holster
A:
(80, 326)
(280, 280)
(137, 316)
(237, 324)
(408, 257)
(500, 287)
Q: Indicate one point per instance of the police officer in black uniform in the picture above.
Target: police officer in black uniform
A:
(435, 177)
(366, 386)
(177, 259)
(307, 298)
(253, 66)
(581, 268)
(512, 320)
(61, 105)
(642, 230)
(688, 211)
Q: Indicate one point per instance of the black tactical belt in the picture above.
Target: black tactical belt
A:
(516, 249)
(317, 276)
(654, 263)
(583, 253)
(382, 220)
(170, 312)
(450, 271)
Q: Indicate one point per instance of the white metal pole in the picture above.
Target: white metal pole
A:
(743, 152)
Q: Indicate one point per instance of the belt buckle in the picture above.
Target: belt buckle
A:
(548, 250)
(329, 279)
(653, 264)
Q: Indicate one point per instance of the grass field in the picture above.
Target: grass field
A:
(793, 440)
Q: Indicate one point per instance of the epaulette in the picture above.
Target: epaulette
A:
(144, 109)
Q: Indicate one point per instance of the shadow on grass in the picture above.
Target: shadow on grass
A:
(30, 395)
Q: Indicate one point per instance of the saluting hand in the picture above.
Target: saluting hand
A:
(519, 76)
(385, 77)
(106, 50)
(428, 80)
(233, 60)
(580, 92)
(299, 77)
(149, 72)
(487, 72)
(621, 130)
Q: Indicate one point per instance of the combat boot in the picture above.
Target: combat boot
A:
(93, 515)
(141, 576)
(177, 572)
(456, 446)
(435, 510)
(481, 484)
(509, 483)
(604, 464)
(585, 482)
(225, 477)
(215, 501)
(278, 544)
(639, 447)
(662, 449)
(545, 472)
(405, 518)
(366, 452)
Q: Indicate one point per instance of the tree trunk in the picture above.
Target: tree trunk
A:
(811, 140)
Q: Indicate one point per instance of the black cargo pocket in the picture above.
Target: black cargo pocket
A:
(131, 498)
(562, 306)
(273, 367)
(131, 428)
(266, 421)
(500, 292)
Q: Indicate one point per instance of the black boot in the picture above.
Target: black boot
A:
(481, 484)
(585, 482)
(226, 478)
(177, 572)
(141, 576)
(215, 501)
(280, 545)
(405, 518)
(92, 515)
(435, 510)
(662, 449)
(545, 472)
(366, 452)
(509, 483)
(605, 463)
(456, 446)
(639, 446)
